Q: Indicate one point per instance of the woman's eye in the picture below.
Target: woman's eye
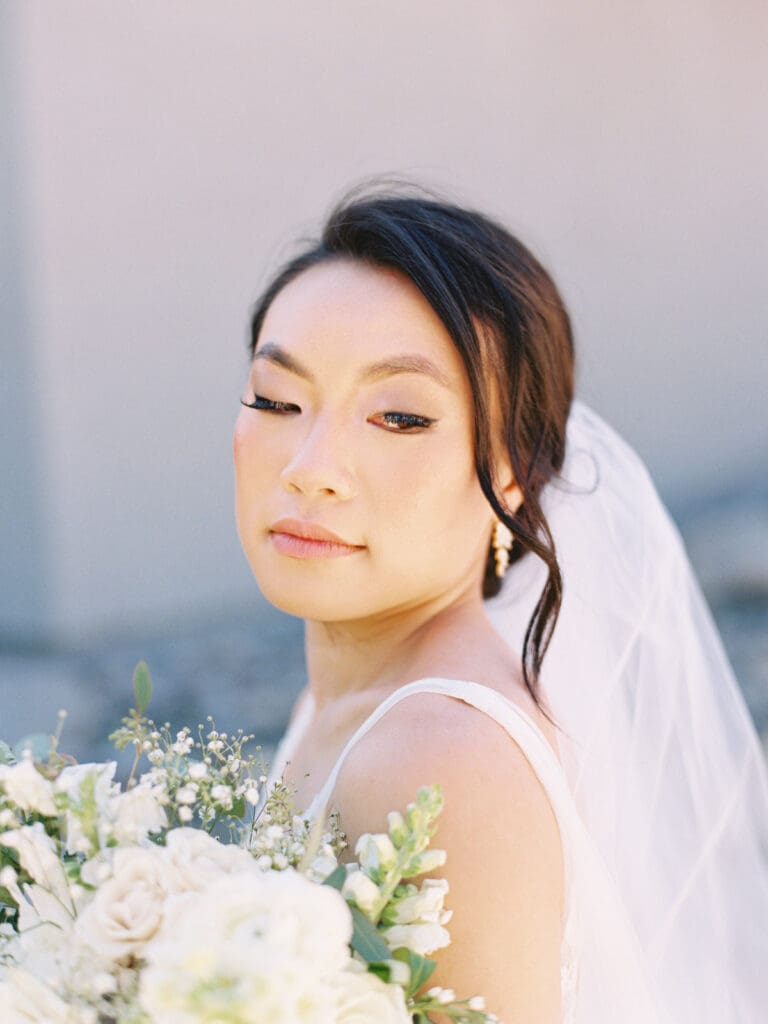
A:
(405, 421)
(267, 405)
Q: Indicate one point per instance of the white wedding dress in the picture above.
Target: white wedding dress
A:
(659, 785)
(601, 963)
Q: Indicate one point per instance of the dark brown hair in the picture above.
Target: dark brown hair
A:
(508, 322)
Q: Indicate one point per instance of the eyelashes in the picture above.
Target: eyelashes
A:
(269, 406)
(403, 422)
(407, 421)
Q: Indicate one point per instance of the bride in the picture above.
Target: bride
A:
(497, 601)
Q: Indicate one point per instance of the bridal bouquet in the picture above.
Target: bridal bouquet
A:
(189, 897)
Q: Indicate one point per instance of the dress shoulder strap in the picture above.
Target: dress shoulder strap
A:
(517, 723)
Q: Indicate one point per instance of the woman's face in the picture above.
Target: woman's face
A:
(372, 440)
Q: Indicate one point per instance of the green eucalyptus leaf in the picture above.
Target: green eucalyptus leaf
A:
(6, 900)
(142, 686)
(381, 970)
(366, 940)
(421, 967)
(38, 742)
(337, 877)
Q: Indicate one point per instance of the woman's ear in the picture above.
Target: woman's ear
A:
(513, 496)
(510, 489)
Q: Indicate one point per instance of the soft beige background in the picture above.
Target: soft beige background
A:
(160, 158)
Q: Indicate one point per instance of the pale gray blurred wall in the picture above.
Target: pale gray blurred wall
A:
(161, 158)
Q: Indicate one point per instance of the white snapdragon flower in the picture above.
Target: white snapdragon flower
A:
(421, 938)
(27, 788)
(360, 888)
(424, 906)
(92, 792)
(427, 861)
(375, 852)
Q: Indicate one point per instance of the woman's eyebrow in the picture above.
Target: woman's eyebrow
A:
(405, 363)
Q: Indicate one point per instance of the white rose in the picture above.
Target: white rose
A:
(38, 857)
(27, 788)
(193, 859)
(362, 997)
(137, 812)
(359, 887)
(25, 999)
(127, 910)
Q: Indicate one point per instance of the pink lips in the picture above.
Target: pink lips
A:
(308, 540)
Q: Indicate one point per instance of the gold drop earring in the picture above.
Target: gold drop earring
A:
(503, 539)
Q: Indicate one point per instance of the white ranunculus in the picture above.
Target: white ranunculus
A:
(359, 887)
(270, 945)
(193, 859)
(362, 997)
(424, 906)
(27, 788)
(25, 999)
(127, 910)
(137, 812)
(422, 938)
(38, 857)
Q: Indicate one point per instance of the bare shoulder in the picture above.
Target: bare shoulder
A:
(504, 855)
(431, 737)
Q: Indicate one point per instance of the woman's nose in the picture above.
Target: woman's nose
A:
(319, 465)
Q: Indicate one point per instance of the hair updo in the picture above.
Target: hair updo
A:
(510, 326)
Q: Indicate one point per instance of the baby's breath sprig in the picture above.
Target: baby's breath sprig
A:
(280, 838)
(211, 779)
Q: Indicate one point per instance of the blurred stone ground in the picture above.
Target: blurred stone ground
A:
(248, 668)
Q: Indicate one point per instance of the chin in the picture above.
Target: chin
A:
(326, 600)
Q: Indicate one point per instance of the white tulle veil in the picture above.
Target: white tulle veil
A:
(660, 751)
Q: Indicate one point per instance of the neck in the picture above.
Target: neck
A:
(388, 650)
